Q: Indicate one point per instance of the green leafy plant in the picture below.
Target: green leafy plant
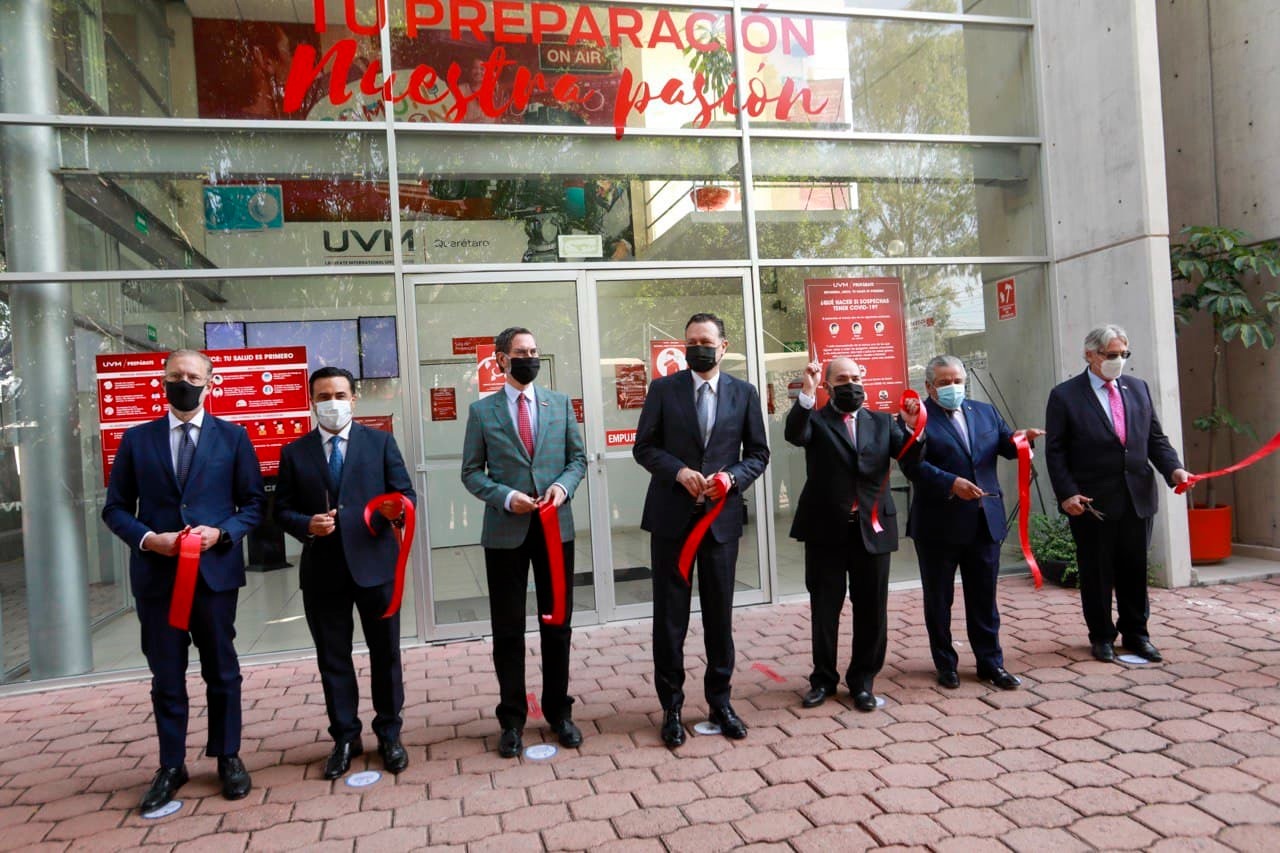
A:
(1216, 264)
(715, 65)
(1051, 541)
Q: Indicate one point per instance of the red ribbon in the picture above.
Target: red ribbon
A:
(184, 583)
(1266, 450)
(1024, 504)
(549, 518)
(405, 537)
(691, 544)
(921, 420)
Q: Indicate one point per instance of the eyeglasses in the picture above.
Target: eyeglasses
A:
(1112, 356)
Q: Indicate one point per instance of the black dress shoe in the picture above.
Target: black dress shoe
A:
(394, 756)
(998, 677)
(731, 726)
(948, 678)
(166, 783)
(816, 696)
(672, 728)
(339, 760)
(1104, 652)
(1143, 649)
(236, 783)
(864, 700)
(570, 735)
(511, 743)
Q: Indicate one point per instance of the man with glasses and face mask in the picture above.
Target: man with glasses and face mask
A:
(1103, 437)
(188, 471)
(327, 477)
(847, 451)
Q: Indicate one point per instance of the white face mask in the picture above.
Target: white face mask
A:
(1111, 368)
(333, 414)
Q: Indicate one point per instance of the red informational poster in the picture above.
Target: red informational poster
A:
(378, 422)
(264, 390)
(772, 407)
(489, 377)
(578, 408)
(862, 319)
(444, 404)
(619, 437)
(666, 357)
(630, 382)
(466, 346)
(1006, 299)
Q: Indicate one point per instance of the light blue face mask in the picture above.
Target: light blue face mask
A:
(950, 396)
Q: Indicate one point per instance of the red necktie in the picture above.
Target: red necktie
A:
(1117, 410)
(524, 424)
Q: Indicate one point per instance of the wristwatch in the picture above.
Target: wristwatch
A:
(224, 538)
(733, 481)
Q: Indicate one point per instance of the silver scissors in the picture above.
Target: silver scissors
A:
(1095, 513)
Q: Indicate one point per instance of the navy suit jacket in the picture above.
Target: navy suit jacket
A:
(224, 489)
(371, 466)
(669, 438)
(937, 515)
(1085, 456)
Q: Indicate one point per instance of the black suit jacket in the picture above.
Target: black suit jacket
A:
(371, 466)
(836, 479)
(1085, 457)
(668, 438)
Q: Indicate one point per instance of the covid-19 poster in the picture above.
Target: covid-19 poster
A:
(861, 319)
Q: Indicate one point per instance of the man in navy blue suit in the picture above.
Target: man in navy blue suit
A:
(694, 424)
(327, 477)
(1103, 439)
(957, 520)
(188, 470)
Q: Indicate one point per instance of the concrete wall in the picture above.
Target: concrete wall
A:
(1220, 64)
(1106, 209)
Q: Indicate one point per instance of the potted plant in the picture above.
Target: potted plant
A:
(1214, 264)
(1054, 548)
(717, 69)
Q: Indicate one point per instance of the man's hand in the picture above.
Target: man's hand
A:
(911, 414)
(390, 510)
(966, 490)
(693, 481)
(1075, 505)
(522, 503)
(1181, 476)
(1032, 433)
(209, 536)
(165, 544)
(324, 523)
(715, 490)
(556, 495)
(812, 376)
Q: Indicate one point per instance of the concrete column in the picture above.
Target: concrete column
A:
(48, 424)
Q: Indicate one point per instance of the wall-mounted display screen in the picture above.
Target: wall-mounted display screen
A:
(366, 345)
(378, 355)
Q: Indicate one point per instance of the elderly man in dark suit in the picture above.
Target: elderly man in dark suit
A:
(188, 469)
(1103, 439)
(695, 424)
(957, 520)
(847, 452)
(327, 477)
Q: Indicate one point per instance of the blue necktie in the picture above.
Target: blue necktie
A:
(186, 452)
(335, 459)
(706, 408)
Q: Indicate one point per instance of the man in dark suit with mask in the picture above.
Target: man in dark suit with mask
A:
(848, 449)
(327, 477)
(695, 424)
(1103, 437)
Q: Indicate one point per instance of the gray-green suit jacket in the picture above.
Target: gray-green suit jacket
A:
(495, 463)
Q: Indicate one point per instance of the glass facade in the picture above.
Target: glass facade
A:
(218, 175)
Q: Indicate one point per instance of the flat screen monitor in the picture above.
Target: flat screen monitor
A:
(378, 355)
(329, 343)
(224, 335)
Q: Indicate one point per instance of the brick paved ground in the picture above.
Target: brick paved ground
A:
(1184, 755)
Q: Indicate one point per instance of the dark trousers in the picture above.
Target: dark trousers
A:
(979, 564)
(328, 599)
(715, 566)
(827, 568)
(507, 570)
(213, 630)
(1112, 555)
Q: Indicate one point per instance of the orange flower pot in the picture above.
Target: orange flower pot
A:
(1210, 529)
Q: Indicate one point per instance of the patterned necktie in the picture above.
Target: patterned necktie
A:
(524, 423)
(335, 459)
(848, 424)
(1117, 410)
(706, 407)
(186, 452)
(958, 420)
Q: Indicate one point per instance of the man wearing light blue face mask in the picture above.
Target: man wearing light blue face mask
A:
(957, 520)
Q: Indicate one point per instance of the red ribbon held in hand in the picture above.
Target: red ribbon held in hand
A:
(549, 518)
(1021, 442)
(184, 584)
(921, 420)
(405, 537)
(1266, 450)
(691, 544)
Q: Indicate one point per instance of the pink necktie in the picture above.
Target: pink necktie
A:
(1117, 410)
(524, 424)
(848, 423)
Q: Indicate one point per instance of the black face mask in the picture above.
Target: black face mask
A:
(700, 359)
(524, 370)
(182, 395)
(848, 397)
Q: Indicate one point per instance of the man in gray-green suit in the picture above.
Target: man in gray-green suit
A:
(523, 449)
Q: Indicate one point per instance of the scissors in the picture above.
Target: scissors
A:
(1095, 513)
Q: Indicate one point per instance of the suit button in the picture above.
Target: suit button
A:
(184, 506)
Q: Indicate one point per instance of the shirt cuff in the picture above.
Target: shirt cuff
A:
(805, 401)
(561, 487)
(507, 503)
(142, 543)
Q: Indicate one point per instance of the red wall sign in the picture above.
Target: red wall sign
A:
(619, 437)
(862, 319)
(666, 357)
(466, 346)
(1006, 299)
(577, 408)
(378, 422)
(630, 382)
(489, 377)
(444, 404)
